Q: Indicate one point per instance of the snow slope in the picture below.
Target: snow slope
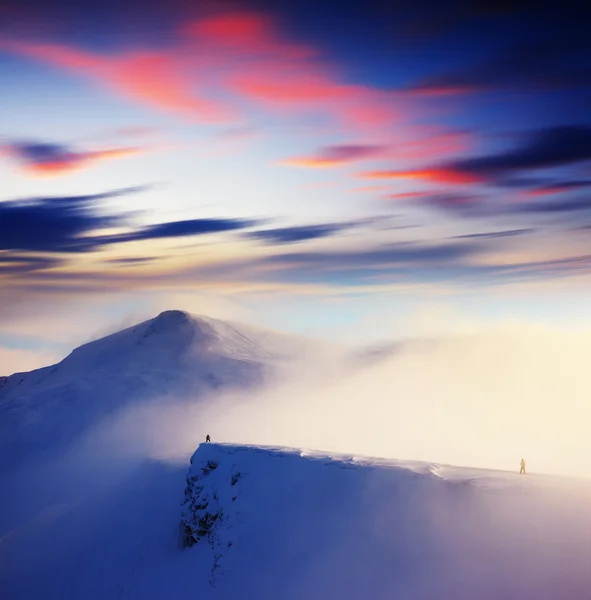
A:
(115, 517)
(286, 524)
(175, 354)
(294, 524)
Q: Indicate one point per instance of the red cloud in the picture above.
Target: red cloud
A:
(248, 34)
(443, 175)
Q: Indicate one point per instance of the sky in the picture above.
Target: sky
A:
(331, 169)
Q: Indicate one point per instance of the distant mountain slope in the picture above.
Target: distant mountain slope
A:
(171, 355)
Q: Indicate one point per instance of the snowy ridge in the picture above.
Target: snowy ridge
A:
(280, 523)
(268, 523)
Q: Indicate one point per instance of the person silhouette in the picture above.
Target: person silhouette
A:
(207, 438)
(522, 469)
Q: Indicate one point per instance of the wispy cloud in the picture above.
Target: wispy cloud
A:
(442, 175)
(242, 56)
(68, 225)
(495, 234)
(548, 64)
(427, 143)
(539, 149)
(396, 254)
(19, 263)
(336, 156)
(291, 235)
(543, 148)
(407, 195)
(49, 159)
(186, 228)
(154, 78)
(54, 224)
(554, 188)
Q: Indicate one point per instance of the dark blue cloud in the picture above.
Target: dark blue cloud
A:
(56, 224)
(131, 260)
(401, 254)
(555, 207)
(551, 187)
(412, 261)
(66, 224)
(544, 148)
(12, 264)
(291, 235)
(495, 234)
(39, 152)
(483, 207)
(567, 211)
(557, 61)
(185, 228)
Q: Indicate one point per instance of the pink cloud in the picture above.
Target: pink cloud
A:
(44, 160)
(246, 35)
(309, 87)
(430, 145)
(370, 188)
(433, 143)
(156, 79)
(222, 64)
(335, 156)
(243, 53)
(407, 195)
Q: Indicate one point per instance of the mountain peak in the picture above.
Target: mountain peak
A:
(171, 319)
(173, 315)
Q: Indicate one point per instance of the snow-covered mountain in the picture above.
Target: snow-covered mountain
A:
(260, 523)
(173, 355)
(117, 515)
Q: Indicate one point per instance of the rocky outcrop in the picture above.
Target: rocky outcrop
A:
(210, 504)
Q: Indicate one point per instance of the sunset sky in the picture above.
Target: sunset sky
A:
(311, 166)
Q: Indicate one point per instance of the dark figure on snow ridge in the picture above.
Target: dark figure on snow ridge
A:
(207, 438)
(521, 470)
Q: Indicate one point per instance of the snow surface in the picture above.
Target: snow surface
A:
(175, 354)
(99, 500)
(295, 524)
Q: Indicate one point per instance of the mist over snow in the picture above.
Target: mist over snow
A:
(96, 450)
(481, 399)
